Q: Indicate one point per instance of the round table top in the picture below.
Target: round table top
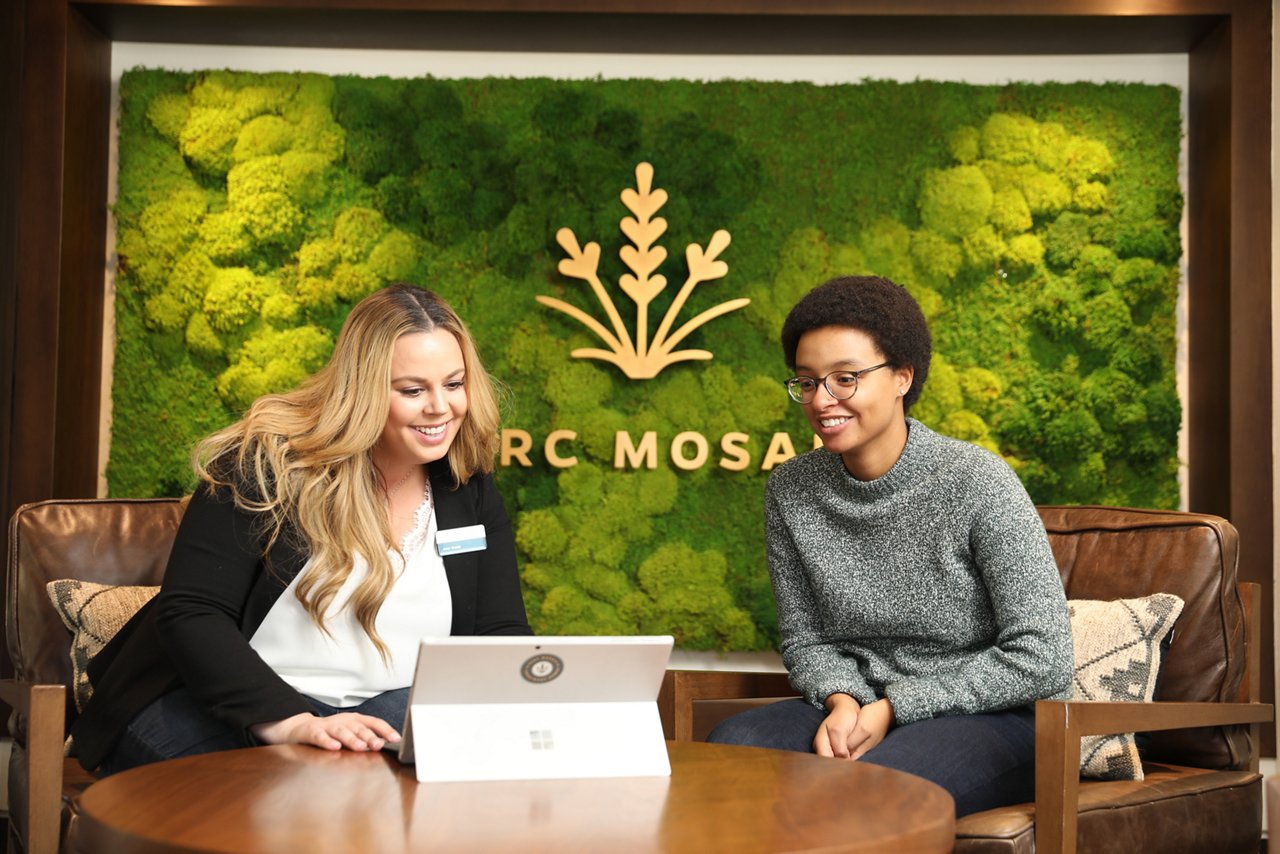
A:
(719, 797)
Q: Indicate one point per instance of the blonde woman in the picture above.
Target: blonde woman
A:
(306, 566)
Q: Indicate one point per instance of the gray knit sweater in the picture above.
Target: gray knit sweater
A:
(932, 585)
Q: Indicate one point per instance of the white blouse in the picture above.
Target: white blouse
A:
(343, 668)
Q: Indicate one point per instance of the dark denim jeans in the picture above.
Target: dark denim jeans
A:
(179, 725)
(984, 761)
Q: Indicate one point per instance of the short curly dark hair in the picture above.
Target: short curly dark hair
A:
(875, 305)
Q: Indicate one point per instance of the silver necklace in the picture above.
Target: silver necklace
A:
(393, 490)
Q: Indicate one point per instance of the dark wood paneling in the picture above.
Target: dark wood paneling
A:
(1252, 488)
(12, 30)
(1209, 272)
(37, 254)
(634, 33)
(994, 9)
(84, 235)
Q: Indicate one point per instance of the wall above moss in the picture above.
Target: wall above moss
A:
(1036, 224)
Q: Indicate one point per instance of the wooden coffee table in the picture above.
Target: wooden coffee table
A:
(718, 798)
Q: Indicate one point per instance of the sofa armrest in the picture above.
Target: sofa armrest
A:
(681, 688)
(43, 709)
(1060, 724)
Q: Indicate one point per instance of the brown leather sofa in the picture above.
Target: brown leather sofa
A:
(1202, 791)
(109, 541)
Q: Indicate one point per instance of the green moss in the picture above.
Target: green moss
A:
(886, 246)
(1024, 252)
(687, 594)
(964, 143)
(1092, 196)
(983, 249)
(969, 426)
(577, 387)
(601, 583)
(937, 259)
(201, 339)
(273, 361)
(318, 257)
(955, 202)
(356, 231)
(172, 222)
(1107, 321)
(394, 257)
(1010, 138)
(1087, 159)
(190, 279)
(164, 313)
(1010, 213)
(1046, 194)
(596, 431)
(225, 237)
(208, 138)
(167, 113)
(540, 535)
(281, 310)
(235, 297)
(1036, 225)
(942, 393)
(262, 137)
(1065, 238)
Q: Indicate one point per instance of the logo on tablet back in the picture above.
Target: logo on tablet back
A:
(542, 668)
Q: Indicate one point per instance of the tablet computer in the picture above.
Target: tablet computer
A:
(521, 707)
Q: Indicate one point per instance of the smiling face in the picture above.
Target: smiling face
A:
(428, 401)
(869, 430)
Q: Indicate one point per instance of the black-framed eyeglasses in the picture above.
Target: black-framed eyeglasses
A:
(841, 385)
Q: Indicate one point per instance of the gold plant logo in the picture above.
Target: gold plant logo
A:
(642, 359)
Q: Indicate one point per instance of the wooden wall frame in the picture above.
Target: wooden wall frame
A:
(55, 81)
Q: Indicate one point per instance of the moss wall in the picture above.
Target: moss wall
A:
(1036, 224)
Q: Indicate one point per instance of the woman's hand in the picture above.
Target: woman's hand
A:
(874, 724)
(850, 729)
(833, 735)
(332, 732)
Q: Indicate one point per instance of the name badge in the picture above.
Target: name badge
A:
(458, 540)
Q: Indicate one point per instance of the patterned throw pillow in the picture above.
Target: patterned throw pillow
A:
(93, 613)
(1117, 657)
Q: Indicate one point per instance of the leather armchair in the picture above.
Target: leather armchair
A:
(109, 541)
(1202, 790)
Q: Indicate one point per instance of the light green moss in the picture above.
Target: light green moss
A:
(273, 361)
(235, 297)
(1010, 138)
(955, 202)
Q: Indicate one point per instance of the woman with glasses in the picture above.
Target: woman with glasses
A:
(920, 608)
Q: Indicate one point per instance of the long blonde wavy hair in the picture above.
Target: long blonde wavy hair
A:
(303, 460)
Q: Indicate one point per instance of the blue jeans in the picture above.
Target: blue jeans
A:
(984, 761)
(179, 725)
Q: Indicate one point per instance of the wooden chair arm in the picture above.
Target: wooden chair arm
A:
(1061, 724)
(680, 688)
(44, 707)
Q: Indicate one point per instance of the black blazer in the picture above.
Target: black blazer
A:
(218, 588)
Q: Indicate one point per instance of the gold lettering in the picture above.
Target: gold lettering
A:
(677, 450)
(736, 457)
(780, 450)
(549, 448)
(515, 446)
(627, 454)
